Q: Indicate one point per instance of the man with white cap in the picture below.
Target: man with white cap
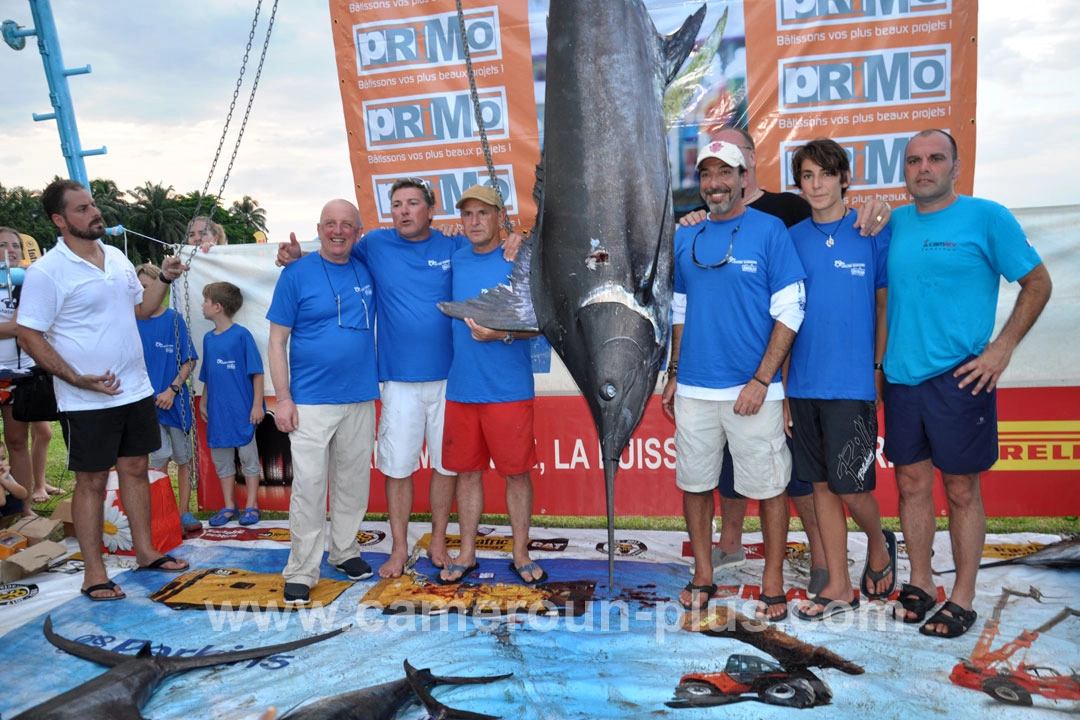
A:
(738, 303)
(489, 395)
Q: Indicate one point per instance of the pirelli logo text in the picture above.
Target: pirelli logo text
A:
(877, 161)
(448, 186)
(794, 14)
(435, 119)
(426, 42)
(1042, 445)
(898, 76)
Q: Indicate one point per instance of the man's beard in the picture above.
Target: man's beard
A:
(89, 233)
(721, 207)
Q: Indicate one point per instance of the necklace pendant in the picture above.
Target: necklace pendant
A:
(829, 242)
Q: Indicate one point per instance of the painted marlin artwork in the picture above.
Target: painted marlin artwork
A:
(120, 693)
(596, 275)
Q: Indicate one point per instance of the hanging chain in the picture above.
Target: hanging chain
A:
(480, 115)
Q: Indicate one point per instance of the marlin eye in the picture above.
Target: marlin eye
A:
(608, 391)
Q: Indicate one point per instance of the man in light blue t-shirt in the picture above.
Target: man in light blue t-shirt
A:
(946, 260)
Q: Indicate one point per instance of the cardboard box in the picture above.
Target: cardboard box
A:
(37, 529)
(31, 560)
(62, 513)
(11, 542)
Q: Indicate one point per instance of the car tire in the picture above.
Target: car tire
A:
(1007, 691)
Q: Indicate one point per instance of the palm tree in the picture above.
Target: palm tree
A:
(110, 201)
(156, 213)
(249, 211)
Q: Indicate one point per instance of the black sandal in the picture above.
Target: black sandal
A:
(956, 623)
(768, 601)
(915, 600)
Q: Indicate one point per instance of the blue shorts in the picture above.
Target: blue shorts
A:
(726, 484)
(937, 420)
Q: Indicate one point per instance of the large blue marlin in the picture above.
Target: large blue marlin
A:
(596, 275)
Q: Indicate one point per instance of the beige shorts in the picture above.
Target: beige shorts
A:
(761, 458)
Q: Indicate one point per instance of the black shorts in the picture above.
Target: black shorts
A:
(96, 438)
(835, 442)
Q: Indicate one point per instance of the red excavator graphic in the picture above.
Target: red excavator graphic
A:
(991, 672)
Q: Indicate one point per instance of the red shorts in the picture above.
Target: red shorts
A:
(474, 434)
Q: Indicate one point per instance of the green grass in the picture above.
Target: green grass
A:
(60, 477)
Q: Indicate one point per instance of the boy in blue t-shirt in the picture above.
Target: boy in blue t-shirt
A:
(170, 357)
(232, 402)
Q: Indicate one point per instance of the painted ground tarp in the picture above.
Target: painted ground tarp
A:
(621, 658)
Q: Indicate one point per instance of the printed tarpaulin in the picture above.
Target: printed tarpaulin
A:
(623, 657)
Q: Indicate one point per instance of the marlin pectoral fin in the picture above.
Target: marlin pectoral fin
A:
(101, 656)
(503, 307)
(676, 47)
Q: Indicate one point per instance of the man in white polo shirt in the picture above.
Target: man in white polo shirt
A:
(81, 295)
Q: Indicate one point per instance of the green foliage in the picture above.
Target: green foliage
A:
(152, 209)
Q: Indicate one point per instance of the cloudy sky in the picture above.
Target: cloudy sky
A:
(164, 73)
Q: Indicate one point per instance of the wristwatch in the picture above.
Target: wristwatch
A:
(175, 389)
(509, 338)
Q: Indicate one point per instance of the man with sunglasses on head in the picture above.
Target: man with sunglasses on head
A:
(323, 312)
(738, 303)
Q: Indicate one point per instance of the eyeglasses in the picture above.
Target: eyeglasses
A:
(726, 258)
(367, 320)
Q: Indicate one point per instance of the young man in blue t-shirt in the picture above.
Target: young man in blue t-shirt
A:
(834, 377)
(232, 402)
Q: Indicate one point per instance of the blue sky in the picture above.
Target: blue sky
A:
(164, 73)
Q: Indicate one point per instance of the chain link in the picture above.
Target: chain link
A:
(478, 112)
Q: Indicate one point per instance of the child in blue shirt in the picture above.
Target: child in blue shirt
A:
(232, 402)
(170, 357)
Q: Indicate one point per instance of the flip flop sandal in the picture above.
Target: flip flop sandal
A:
(769, 601)
(696, 590)
(159, 565)
(530, 569)
(830, 607)
(103, 586)
(915, 600)
(958, 622)
(876, 576)
(464, 570)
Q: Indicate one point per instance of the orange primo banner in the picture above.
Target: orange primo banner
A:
(409, 111)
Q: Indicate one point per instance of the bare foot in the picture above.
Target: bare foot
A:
(438, 553)
(394, 565)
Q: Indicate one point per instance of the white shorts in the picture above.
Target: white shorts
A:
(762, 461)
(411, 414)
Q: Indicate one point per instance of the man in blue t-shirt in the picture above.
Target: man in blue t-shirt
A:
(738, 303)
(489, 396)
(326, 383)
(946, 260)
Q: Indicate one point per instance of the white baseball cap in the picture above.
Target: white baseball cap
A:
(725, 152)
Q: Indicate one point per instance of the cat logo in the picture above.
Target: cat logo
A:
(624, 548)
(548, 544)
(12, 594)
(370, 538)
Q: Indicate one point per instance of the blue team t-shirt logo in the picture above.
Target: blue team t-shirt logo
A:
(229, 364)
(443, 264)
